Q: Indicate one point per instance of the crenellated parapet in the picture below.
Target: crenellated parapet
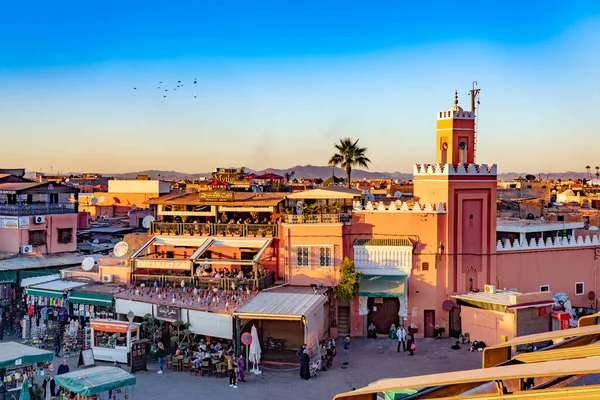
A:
(548, 243)
(458, 113)
(399, 206)
(458, 170)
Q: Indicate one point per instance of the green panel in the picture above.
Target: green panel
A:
(39, 272)
(95, 380)
(382, 286)
(11, 352)
(8, 276)
(44, 293)
(398, 394)
(95, 299)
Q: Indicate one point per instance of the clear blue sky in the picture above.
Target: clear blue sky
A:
(278, 82)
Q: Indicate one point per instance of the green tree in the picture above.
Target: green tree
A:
(153, 327)
(349, 155)
(288, 177)
(347, 287)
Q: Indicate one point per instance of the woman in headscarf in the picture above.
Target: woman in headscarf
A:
(305, 368)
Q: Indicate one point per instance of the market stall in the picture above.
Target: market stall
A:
(18, 363)
(111, 340)
(91, 382)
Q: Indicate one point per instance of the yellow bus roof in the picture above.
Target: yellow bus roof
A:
(584, 366)
(552, 335)
(571, 393)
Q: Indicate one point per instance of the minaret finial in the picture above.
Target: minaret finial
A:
(455, 97)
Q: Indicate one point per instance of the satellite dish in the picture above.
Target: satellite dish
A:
(96, 241)
(398, 194)
(370, 197)
(134, 207)
(129, 213)
(121, 249)
(530, 177)
(87, 264)
(147, 221)
(593, 228)
(101, 199)
(94, 201)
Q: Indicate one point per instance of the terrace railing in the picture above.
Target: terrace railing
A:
(21, 210)
(205, 282)
(317, 218)
(205, 229)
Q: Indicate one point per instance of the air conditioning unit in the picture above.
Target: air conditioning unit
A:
(39, 219)
(107, 278)
(489, 289)
(26, 249)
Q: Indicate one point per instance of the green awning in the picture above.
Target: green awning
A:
(13, 354)
(95, 299)
(8, 276)
(44, 293)
(382, 286)
(95, 380)
(39, 272)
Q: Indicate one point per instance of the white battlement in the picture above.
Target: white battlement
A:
(456, 114)
(399, 206)
(460, 169)
(548, 243)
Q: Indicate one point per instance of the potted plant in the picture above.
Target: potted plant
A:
(37, 391)
(181, 335)
(153, 328)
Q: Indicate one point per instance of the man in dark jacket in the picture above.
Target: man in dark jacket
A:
(299, 354)
(64, 368)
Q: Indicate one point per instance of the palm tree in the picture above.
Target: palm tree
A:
(349, 155)
(288, 177)
(597, 172)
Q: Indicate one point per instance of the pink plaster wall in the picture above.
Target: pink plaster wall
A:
(11, 240)
(560, 268)
(487, 325)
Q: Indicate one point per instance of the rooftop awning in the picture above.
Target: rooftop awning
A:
(280, 306)
(382, 286)
(95, 299)
(53, 289)
(91, 381)
(13, 354)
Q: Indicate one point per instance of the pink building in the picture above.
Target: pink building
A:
(37, 217)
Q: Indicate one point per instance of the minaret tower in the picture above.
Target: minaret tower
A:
(467, 241)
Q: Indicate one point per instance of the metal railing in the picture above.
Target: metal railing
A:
(205, 229)
(317, 218)
(263, 282)
(18, 210)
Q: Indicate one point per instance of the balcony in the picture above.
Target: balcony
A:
(260, 283)
(317, 218)
(206, 229)
(22, 210)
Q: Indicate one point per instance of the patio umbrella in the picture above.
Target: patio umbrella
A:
(255, 351)
(25, 391)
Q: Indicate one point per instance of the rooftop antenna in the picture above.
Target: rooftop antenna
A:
(474, 93)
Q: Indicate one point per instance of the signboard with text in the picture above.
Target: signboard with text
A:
(9, 222)
(217, 195)
(169, 313)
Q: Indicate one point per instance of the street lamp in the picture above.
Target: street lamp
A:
(130, 317)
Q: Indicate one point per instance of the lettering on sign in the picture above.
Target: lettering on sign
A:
(167, 312)
(216, 196)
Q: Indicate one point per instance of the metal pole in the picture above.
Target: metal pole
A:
(247, 360)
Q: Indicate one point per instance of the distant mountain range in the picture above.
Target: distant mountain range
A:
(323, 172)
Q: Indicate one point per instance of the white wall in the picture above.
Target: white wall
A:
(135, 186)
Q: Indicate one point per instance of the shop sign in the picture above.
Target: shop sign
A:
(216, 196)
(138, 356)
(9, 222)
(109, 327)
(167, 312)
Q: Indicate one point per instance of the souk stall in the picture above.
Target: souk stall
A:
(19, 363)
(90, 383)
(111, 340)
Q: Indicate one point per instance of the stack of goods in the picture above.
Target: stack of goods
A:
(38, 334)
(70, 339)
(26, 326)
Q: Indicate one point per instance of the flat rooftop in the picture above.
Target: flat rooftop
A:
(534, 225)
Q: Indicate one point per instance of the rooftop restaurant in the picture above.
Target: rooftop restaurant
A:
(23, 197)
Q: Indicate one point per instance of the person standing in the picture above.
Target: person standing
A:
(49, 388)
(160, 355)
(305, 366)
(401, 338)
(410, 342)
(231, 366)
(1, 325)
(63, 368)
(241, 366)
(299, 354)
(346, 349)
(57, 343)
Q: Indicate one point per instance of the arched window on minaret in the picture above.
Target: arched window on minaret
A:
(462, 152)
(444, 153)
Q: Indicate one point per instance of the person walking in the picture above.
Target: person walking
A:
(410, 342)
(401, 334)
(57, 343)
(346, 349)
(231, 366)
(63, 368)
(160, 355)
(241, 363)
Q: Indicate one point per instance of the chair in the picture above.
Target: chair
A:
(205, 369)
(195, 369)
(175, 363)
(169, 362)
(186, 364)
(220, 370)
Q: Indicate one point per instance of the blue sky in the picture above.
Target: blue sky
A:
(279, 82)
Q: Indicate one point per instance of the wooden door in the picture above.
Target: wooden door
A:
(455, 322)
(383, 312)
(429, 316)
